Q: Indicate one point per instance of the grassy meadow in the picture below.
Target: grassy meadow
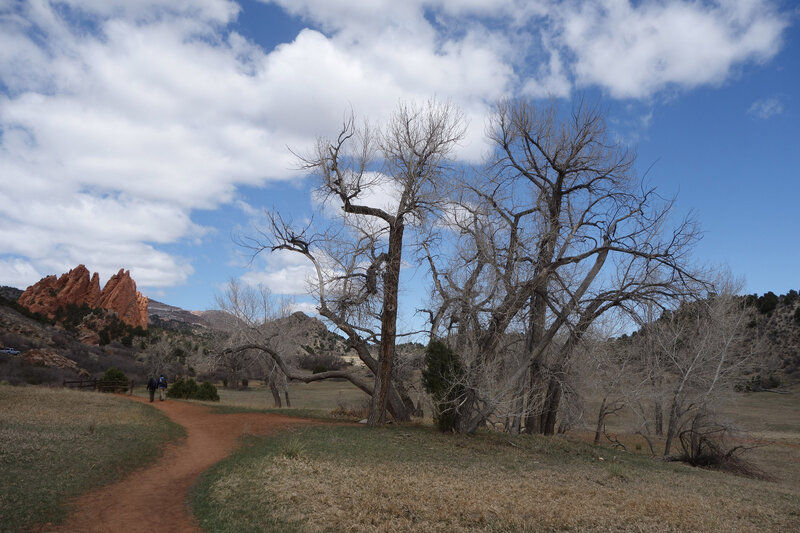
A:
(57, 443)
(317, 399)
(414, 479)
(411, 478)
(318, 395)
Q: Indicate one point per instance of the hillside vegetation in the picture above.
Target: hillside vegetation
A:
(776, 320)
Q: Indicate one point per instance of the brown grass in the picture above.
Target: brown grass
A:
(321, 395)
(361, 480)
(427, 482)
(58, 443)
(765, 422)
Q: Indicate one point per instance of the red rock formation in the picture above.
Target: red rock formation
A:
(75, 287)
(120, 295)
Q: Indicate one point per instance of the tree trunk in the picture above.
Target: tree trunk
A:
(405, 397)
(552, 402)
(276, 393)
(535, 334)
(519, 404)
(399, 404)
(601, 416)
(396, 406)
(532, 410)
(659, 419)
(391, 284)
(468, 418)
(672, 426)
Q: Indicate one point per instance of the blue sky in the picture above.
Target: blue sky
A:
(143, 135)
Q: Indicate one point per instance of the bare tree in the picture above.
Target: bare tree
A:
(556, 233)
(358, 261)
(618, 377)
(250, 309)
(161, 357)
(702, 353)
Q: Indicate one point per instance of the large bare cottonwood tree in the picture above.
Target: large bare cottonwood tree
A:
(379, 182)
(554, 233)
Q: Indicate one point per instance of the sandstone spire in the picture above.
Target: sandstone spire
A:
(120, 295)
(76, 287)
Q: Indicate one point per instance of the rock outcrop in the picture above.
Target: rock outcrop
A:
(120, 295)
(78, 287)
(50, 293)
(44, 357)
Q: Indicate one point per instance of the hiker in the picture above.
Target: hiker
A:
(162, 387)
(151, 388)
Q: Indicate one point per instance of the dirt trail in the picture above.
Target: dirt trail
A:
(153, 498)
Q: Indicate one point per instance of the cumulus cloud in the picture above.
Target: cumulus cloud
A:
(303, 307)
(282, 272)
(119, 119)
(286, 280)
(634, 51)
(16, 272)
(766, 108)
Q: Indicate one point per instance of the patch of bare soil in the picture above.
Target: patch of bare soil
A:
(154, 498)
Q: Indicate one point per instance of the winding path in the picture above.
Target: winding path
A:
(154, 498)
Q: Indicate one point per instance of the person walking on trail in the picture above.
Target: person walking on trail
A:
(151, 387)
(162, 387)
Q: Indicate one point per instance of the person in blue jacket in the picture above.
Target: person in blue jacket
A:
(162, 387)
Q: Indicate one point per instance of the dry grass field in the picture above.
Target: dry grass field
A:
(59, 443)
(410, 478)
(413, 479)
(767, 423)
(55, 444)
(322, 396)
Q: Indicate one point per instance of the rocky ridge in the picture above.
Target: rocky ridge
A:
(77, 287)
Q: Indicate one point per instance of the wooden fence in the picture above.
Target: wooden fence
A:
(99, 385)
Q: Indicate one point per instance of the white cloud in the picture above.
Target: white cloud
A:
(305, 307)
(18, 273)
(110, 140)
(221, 11)
(120, 118)
(286, 280)
(634, 51)
(551, 78)
(766, 108)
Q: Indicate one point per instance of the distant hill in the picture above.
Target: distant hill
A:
(776, 320)
(299, 334)
(10, 293)
(295, 336)
(171, 317)
(773, 322)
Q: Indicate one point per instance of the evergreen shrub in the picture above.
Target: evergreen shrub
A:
(114, 380)
(441, 378)
(188, 389)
